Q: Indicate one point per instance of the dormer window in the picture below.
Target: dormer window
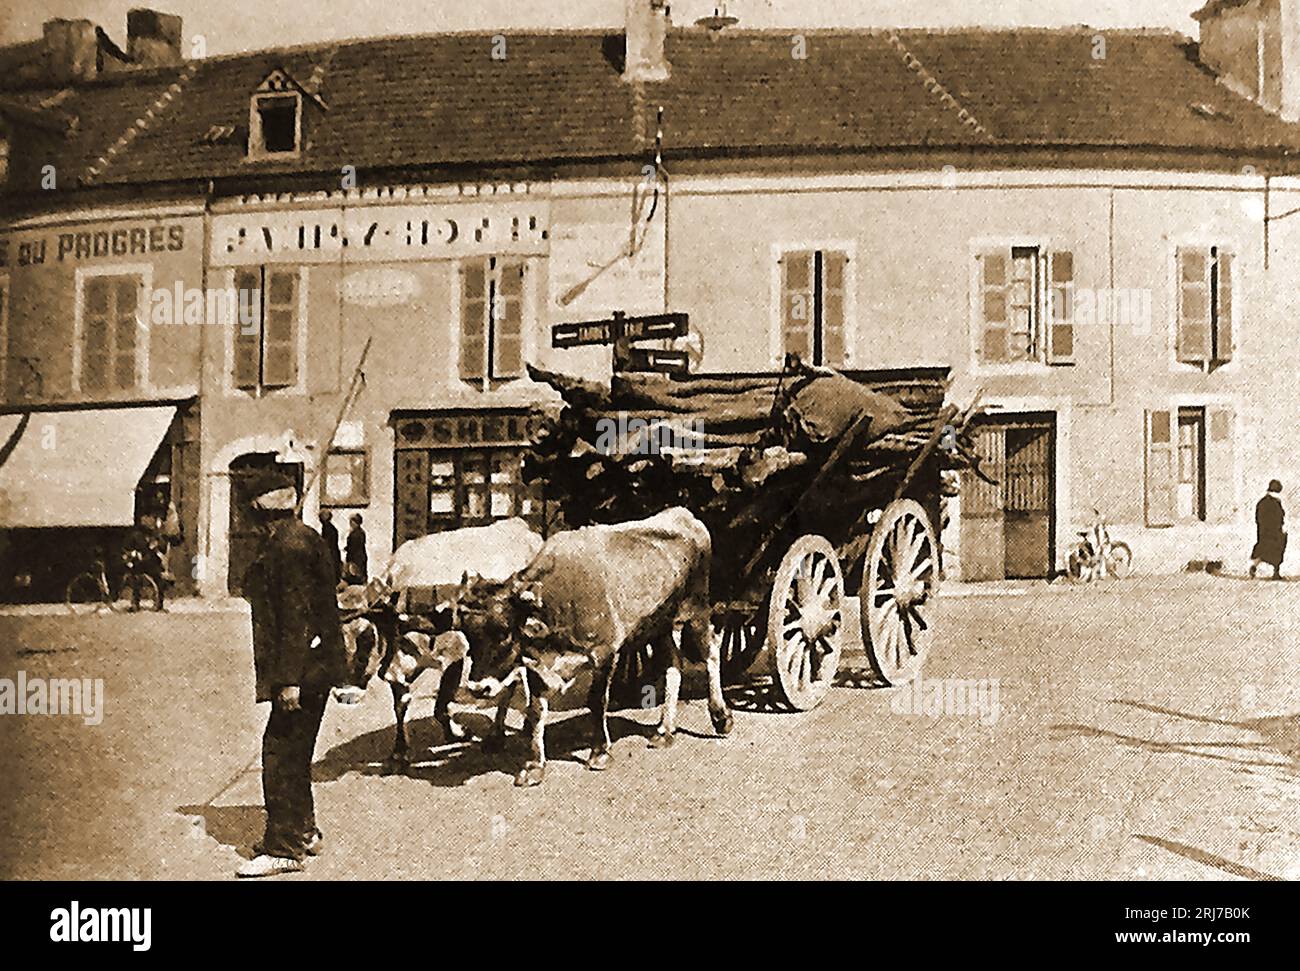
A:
(275, 116)
(275, 125)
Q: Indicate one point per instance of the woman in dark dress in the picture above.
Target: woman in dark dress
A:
(1270, 537)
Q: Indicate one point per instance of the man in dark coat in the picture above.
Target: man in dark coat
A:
(298, 657)
(358, 567)
(330, 533)
(1270, 537)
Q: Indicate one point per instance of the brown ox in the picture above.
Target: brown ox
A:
(590, 593)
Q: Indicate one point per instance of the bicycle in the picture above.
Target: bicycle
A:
(1096, 555)
(90, 592)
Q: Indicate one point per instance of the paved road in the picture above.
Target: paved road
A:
(1146, 730)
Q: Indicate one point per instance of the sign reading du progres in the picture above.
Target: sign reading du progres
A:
(382, 233)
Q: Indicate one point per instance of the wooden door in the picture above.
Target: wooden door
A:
(981, 510)
(1027, 502)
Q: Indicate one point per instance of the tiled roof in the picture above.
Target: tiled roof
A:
(443, 101)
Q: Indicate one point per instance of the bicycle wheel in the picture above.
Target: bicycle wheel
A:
(85, 596)
(1119, 558)
(150, 595)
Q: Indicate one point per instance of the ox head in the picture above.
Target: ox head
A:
(369, 630)
(505, 627)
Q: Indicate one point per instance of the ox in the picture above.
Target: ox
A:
(589, 594)
(382, 641)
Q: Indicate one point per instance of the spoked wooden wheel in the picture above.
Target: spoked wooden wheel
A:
(900, 581)
(739, 641)
(805, 622)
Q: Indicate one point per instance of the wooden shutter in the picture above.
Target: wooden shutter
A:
(1220, 467)
(411, 479)
(508, 321)
(247, 365)
(833, 274)
(797, 304)
(994, 296)
(1060, 325)
(280, 329)
(1193, 340)
(1161, 469)
(96, 315)
(126, 296)
(1223, 308)
(473, 320)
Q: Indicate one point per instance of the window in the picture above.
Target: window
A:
(346, 478)
(491, 319)
(267, 329)
(1190, 468)
(1205, 321)
(110, 332)
(812, 306)
(441, 489)
(275, 124)
(1025, 306)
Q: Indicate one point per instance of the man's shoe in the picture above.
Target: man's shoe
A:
(312, 848)
(268, 866)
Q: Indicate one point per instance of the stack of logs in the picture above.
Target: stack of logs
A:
(749, 453)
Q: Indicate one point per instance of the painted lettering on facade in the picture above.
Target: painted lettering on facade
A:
(83, 245)
(381, 233)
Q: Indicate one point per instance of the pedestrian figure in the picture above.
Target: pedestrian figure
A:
(142, 557)
(1270, 537)
(358, 568)
(330, 533)
(298, 657)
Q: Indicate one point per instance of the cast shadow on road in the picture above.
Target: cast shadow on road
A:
(1279, 735)
(238, 827)
(452, 764)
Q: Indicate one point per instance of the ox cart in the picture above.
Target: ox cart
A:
(813, 486)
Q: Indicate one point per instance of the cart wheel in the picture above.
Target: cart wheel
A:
(900, 580)
(739, 642)
(805, 622)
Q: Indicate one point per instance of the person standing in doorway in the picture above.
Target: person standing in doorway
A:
(298, 656)
(330, 533)
(1270, 537)
(358, 567)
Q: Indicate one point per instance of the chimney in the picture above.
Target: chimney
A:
(153, 39)
(1254, 47)
(645, 58)
(71, 51)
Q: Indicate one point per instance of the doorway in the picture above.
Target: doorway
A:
(1008, 527)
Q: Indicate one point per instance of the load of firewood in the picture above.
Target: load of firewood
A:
(739, 449)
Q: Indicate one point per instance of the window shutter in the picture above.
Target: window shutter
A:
(1223, 318)
(1220, 468)
(248, 329)
(833, 275)
(994, 294)
(126, 297)
(96, 311)
(508, 325)
(1161, 471)
(1193, 305)
(1060, 337)
(473, 320)
(797, 304)
(280, 329)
